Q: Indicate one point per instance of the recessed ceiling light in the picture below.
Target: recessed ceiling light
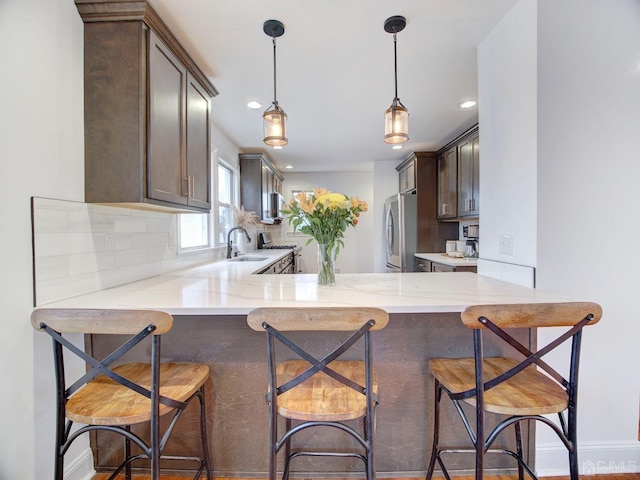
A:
(397, 147)
(288, 167)
(253, 105)
(277, 147)
(468, 104)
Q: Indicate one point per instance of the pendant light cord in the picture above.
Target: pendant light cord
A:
(395, 63)
(275, 100)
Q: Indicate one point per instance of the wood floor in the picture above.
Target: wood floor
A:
(617, 476)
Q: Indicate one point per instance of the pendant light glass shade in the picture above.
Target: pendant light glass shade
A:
(275, 126)
(396, 118)
(396, 123)
(274, 118)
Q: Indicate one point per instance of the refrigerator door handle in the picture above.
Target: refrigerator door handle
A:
(390, 232)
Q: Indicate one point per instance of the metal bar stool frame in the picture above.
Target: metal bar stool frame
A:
(565, 429)
(152, 449)
(364, 439)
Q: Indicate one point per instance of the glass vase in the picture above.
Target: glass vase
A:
(326, 265)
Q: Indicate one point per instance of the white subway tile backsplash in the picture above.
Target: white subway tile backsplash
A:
(151, 240)
(129, 224)
(89, 263)
(64, 243)
(80, 248)
(53, 267)
(114, 277)
(123, 241)
(81, 222)
(128, 258)
(159, 224)
(53, 222)
(158, 254)
(59, 288)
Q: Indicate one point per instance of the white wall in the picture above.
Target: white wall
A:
(588, 170)
(223, 145)
(507, 99)
(567, 105)
(41, 147)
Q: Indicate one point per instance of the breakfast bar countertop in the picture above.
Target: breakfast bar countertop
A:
(447, 259)
(230, 288)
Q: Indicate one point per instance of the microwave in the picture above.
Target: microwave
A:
(275, 205)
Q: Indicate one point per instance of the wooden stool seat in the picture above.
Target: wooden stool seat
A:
(529, 393)
(322, 398)
(104, 401)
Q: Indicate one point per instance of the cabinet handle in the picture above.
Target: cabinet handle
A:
(191, 186)
(188, 180)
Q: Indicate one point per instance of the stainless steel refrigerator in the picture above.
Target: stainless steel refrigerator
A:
(401, 231)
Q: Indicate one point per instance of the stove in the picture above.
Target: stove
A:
(287, 264)
(265, 243)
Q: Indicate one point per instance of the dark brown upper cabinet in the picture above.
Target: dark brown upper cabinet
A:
(469, 177)
(259, 181)
(147, 112)
(459, 178)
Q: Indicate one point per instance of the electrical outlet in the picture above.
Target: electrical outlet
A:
(506, 244)
(110, 244)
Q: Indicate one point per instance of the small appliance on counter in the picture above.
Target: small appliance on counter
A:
(472, 234)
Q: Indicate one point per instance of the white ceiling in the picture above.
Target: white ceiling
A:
(335, 72)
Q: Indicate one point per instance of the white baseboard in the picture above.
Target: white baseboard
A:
(80, 468)
(593, 459)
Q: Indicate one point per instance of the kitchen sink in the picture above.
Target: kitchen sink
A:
(248, 259)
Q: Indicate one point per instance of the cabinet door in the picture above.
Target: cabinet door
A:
(198, 151)
(267, 182)
(441, 267)
(408, 178)
(469, 177)
(422, 265)
(166, 169)
(448, 184)
(476, 175)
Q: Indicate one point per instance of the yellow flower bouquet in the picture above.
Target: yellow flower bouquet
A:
(324, 216)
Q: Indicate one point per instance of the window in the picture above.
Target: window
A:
(225, 202)
(194, 231)
(199, 231)
(293, 195)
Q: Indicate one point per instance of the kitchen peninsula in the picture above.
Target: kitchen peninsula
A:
(210, 304)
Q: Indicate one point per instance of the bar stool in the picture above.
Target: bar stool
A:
(312, 391)
(112, 395)
(520, 390)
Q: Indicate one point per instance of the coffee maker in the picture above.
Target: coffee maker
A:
(472, 234)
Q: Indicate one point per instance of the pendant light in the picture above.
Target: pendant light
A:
(274, 118)
(396, 118)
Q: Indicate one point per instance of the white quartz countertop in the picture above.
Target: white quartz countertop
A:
(231, 288)
(447, 260)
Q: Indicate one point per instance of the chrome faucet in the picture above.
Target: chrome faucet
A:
(229, 239)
